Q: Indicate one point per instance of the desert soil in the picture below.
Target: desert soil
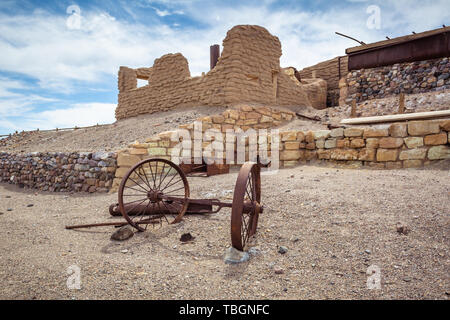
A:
(110, 137)
(335, 223)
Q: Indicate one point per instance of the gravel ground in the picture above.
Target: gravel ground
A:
(335, 223)
(111, 137)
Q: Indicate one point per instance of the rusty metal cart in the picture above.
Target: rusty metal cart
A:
(157, 190)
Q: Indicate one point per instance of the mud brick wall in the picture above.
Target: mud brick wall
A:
(329, 71)
(401, 145)
(316, 89)
(413, 77)
(248, 71)
(59, 172)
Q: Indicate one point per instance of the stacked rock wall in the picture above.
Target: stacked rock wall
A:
(90, 172)
(399, 145)
(412, 77)
(248, 71)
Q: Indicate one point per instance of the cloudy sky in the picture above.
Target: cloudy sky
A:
(59, 59)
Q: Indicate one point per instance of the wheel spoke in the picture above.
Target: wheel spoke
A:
(170, 168)
(136, 205)
(145, 175)
(153, 176)
(137, 171)
(169, 182)
(142, 212)
(167, 210)
(172, 184)
(160, 176)
(138, 185)
(169, 192)
(136, 189)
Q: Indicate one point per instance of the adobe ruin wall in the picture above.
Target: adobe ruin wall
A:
(248, 71)
(331, 71)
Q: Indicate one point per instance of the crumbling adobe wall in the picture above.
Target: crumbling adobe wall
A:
(315, 88)
(329, 71)
(248, 71)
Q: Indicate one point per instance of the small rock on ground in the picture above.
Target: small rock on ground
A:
(402, 228)
(185, 237)
(282, 249)
(278, 270)
(233, 256)
(124, 233)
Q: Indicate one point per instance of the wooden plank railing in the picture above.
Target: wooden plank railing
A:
(58, 129)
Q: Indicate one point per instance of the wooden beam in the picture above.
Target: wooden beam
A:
(353, 111)
(401, 103)
(398, 117)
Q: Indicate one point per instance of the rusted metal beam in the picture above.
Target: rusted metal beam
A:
(343, 35)
(416, 49)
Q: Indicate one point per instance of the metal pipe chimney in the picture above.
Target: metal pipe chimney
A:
(214, 54)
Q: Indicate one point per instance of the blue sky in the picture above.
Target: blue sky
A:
(54, 73)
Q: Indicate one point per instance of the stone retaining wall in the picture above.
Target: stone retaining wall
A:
(89, 172)
(412, 77)
(244, 117)
(399, 145)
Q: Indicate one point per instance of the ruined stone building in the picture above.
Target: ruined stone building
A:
(248, 71)
(415, 63)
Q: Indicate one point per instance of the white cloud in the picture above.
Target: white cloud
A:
(41, 46)
(162, 13)
(82, 114)
(16, 103)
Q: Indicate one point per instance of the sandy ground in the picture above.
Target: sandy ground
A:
(335, 223)
(111, 137)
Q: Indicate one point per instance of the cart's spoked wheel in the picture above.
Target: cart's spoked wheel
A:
(142, 192)
(246, 205)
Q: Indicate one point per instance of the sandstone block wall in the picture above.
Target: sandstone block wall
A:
(89, 172)
(413, 77)
(248, 71)
(316, 88)
(401, 145)
(244, 117)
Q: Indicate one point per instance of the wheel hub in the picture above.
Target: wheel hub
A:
(154, 196)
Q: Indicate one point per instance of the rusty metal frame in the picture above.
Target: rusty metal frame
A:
(246, 205)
